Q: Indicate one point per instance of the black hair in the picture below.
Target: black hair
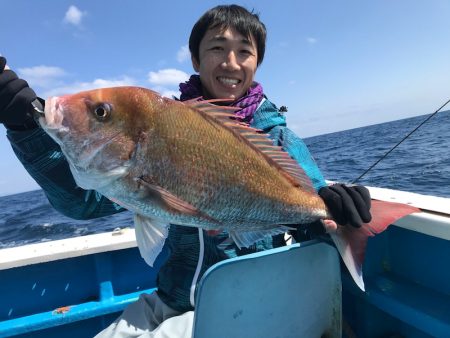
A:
(229, 16)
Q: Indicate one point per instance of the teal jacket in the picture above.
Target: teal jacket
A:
(191, 250)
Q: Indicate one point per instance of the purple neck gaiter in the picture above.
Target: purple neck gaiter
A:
(248, 103)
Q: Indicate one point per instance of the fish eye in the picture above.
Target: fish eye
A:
(102, 111)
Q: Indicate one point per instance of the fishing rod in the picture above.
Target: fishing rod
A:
(409, 134)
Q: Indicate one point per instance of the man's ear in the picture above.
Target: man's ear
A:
(195, 63)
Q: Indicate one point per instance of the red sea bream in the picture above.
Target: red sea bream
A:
(193, 164)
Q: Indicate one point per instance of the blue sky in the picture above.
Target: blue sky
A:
(335, 64)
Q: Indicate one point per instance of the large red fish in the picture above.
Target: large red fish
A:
(191, 164)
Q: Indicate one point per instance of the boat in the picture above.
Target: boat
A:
(75, 287)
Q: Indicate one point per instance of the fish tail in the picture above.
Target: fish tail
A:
(352, 242)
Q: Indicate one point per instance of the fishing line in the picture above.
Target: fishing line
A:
(388, 152)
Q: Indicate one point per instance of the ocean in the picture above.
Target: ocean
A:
(421, 164)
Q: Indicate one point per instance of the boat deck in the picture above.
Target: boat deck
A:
(79, 285)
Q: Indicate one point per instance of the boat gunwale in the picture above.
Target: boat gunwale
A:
(435, 214)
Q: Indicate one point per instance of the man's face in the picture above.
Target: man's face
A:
(227, 64)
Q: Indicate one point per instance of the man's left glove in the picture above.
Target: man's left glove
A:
(15, 100)
(347, 204)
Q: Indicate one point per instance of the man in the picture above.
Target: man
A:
(227, 45)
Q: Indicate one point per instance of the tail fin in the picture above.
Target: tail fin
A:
(351, 242)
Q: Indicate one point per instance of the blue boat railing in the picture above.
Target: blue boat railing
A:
(406, 275)
(45, 299)
(79, 296)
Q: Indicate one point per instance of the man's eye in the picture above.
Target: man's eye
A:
(216, 48)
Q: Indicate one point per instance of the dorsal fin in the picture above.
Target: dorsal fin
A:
(275, 155)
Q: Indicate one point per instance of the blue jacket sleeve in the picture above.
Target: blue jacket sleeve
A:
(269, 119)
(298, 150)
(44, 161)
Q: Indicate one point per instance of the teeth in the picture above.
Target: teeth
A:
(228, 81)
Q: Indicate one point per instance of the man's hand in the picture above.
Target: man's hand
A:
(15, 99)
(347, 204)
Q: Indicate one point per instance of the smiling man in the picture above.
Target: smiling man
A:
(228, 63)
(227, 45)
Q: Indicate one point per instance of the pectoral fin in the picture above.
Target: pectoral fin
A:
(173, 204)
(150, 237)
(161, 196)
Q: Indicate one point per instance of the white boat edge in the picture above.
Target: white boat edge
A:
(67, 248)
(434, 220)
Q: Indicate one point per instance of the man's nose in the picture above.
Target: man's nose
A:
(231, 62)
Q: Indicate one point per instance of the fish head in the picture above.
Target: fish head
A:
(97, 130)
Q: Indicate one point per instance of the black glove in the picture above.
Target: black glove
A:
(16, 111)
(347, 204)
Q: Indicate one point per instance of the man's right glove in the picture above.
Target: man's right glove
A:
(15, 100)
(347, 204)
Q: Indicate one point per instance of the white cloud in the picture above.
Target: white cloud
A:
(50, 81)
(167, 77)
(53, 81)
(97, 83)
(167, 92)
(47, 71)
(311, 40)
(74, 15)
(41, 76)
(183, 54)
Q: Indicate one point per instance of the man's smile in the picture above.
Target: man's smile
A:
(227, 81)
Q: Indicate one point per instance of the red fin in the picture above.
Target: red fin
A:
(169, 201)
(351, 242)
(258, 140)
(163, 196)
(207, 106)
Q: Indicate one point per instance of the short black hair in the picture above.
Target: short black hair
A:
(229, 16)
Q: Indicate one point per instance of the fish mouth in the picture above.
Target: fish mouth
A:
(52, 116)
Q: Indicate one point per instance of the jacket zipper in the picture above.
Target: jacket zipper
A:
(199, 267)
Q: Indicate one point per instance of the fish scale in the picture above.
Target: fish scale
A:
(208, 173)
